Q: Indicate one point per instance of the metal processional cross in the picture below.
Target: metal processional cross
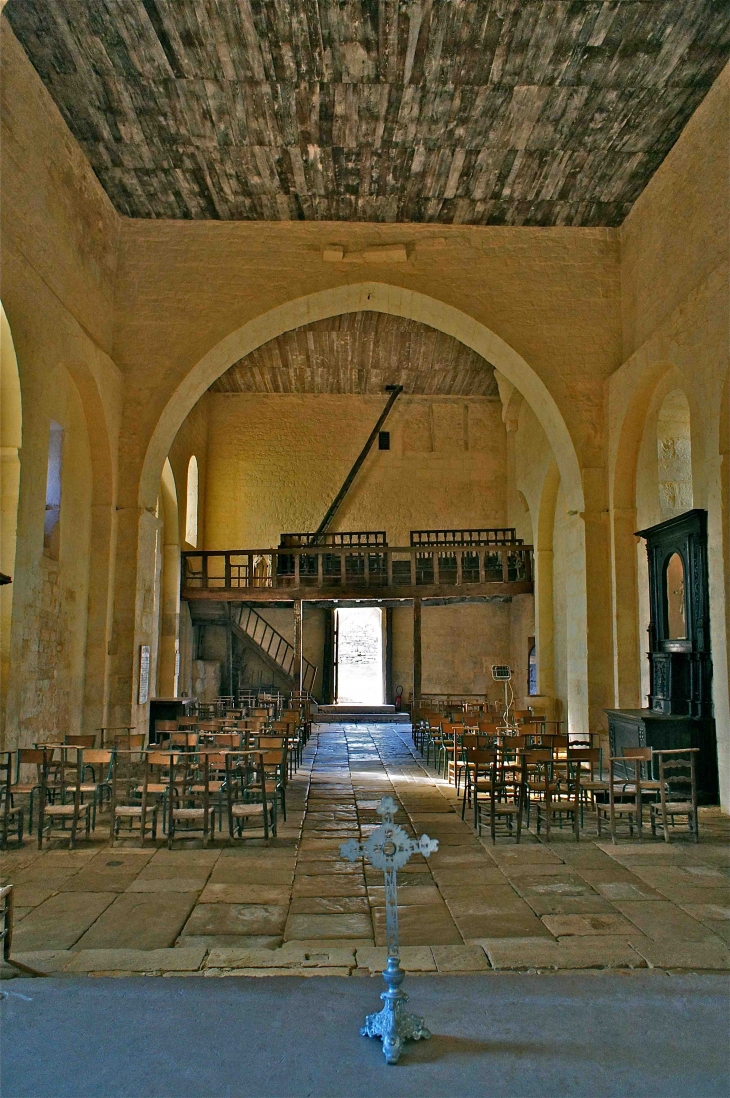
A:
(389, 849)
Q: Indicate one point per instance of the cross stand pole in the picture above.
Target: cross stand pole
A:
(389, 848)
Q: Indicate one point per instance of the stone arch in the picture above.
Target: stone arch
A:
(11, 437)
(377, 297)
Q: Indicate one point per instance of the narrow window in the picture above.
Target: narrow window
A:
(52, 524)
(531, 667)
(384, 440)
(191, 511)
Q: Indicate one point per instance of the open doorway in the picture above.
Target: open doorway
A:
(359, 656)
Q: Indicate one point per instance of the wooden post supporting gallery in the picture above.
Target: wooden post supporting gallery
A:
(298, 668)
(416, 655)
(229, 649)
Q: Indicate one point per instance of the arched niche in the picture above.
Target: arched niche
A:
(674, 456)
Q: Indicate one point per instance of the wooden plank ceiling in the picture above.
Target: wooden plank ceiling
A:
(485, 112)
(361, 353)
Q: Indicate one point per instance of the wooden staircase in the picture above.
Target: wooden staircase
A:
(271, 647)
(254, 632)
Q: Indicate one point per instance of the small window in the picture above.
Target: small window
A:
(384, 440)
(52, 523)
(531, 668)
(191, 510)
(676, 619)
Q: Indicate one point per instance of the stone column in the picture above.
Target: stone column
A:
(417, 657)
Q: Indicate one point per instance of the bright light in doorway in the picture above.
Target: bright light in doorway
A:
(360, 656)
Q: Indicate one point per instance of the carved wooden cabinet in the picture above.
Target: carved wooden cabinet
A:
(680, 662)
(679, 713)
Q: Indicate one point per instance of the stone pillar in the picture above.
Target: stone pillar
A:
(134, 608)
(417, 656)
(625, 611)
(170, 622)
(100, 616)
(10, 484)
(545, 621)
(298, 645)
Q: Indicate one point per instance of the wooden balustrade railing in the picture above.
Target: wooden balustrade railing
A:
(275, 572)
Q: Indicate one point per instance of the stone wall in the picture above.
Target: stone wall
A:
(276, 462)
(675, 272)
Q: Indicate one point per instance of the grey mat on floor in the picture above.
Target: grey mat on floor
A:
(506, 1036)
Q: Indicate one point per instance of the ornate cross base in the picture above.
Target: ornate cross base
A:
(394, 1023)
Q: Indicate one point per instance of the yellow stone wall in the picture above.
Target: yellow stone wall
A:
(276, 462)
(59, 239)
(675, 277)
(121, 326)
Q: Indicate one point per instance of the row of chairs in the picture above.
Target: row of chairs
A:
(510, 772)
(69, 785)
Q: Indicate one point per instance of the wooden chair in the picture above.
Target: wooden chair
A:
(503, 800)
(131, 801)
(11, 816)
(53, 817)
(186, 741)
(104, 760)
(28, 757)
(216, 778)
(274, 752)
(80, 741)
(189, 811)
(554, 804)
(478, 758)
(624, 795)
(247, 796)
(163, 730)
(676, 769)
(451, 739)
(588, 760)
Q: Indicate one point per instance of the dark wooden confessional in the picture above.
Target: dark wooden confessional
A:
(679, 713)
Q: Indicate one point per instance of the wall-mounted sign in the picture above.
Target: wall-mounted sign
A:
(144, 673)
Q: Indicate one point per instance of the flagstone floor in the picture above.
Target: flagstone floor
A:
(297, 907)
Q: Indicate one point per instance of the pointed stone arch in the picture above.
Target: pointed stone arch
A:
(363, 296)
(376, 297)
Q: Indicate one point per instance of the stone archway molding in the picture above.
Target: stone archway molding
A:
(363, 296)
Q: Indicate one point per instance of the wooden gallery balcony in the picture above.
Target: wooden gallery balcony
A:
(349, 572)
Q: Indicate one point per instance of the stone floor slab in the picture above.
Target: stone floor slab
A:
(613, 925)
(665, 921)
(329, 905)
(464, 958)
(61, 921)
(529, 953)
(328, 926)
(685, 955)
(138, 921)
(215, 893)
(167, 884)
(412, 959)
(220, 918)
(338, 884)
(229, 941)
(136, 960)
